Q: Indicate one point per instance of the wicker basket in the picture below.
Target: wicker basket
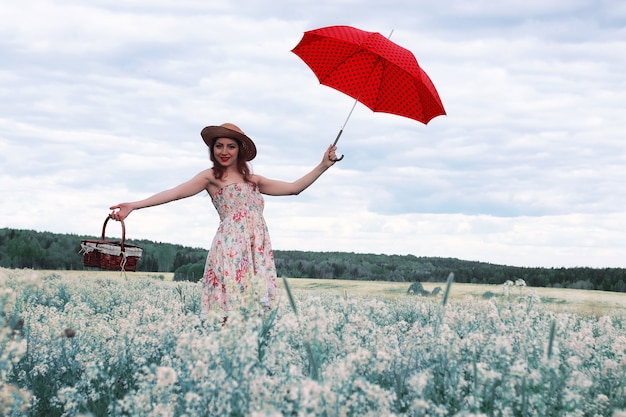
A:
(110, 255)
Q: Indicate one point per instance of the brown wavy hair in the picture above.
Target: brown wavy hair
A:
(242, 165)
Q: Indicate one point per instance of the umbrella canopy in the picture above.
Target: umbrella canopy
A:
(371, 69)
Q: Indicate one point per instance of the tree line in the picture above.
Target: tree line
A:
(46, 250)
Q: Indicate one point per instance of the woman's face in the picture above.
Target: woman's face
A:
(226, 151)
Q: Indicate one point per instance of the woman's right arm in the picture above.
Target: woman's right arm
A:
(184, 190)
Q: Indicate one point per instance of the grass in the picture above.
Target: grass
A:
(585, 302)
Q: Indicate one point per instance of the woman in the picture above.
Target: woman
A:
(241, 254)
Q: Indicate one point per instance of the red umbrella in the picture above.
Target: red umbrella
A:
(371, 69)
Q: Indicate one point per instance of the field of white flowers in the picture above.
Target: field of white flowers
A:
(80, 344)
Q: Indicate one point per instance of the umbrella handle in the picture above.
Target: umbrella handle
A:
(335, 144)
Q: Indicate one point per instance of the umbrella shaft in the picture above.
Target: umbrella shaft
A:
(337, 138)
(357, 97)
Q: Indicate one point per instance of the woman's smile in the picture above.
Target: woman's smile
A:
(226, 150)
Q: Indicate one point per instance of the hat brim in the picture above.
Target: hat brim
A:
(211, 133)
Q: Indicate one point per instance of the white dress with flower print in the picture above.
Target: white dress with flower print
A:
(241, 254)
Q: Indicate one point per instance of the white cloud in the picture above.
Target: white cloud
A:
(102, 102)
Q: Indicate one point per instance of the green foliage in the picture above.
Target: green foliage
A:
(416, 288)
(410, 268)
(490, 294)
(45, 250)
(189, 272)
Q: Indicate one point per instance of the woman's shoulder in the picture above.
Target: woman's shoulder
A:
(207, 174)
(257, 179)
(208, 177)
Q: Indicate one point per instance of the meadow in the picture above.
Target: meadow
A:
(105, 344)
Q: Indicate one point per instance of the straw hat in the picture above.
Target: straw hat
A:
(228, 130)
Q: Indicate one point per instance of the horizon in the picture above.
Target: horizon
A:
(319, 251)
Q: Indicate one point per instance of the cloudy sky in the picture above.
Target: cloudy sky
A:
(102, 102)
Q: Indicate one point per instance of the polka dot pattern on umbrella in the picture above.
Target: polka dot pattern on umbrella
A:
(371, 69)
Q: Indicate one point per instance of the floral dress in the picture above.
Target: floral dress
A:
(240, 260)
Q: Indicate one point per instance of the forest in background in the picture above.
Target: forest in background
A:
(45, 250)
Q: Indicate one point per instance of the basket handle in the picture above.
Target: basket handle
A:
(104, 226)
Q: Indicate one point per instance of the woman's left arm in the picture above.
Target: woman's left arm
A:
(274, 187)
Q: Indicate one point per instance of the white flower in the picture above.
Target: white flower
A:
(165, 376)
(418, 381)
